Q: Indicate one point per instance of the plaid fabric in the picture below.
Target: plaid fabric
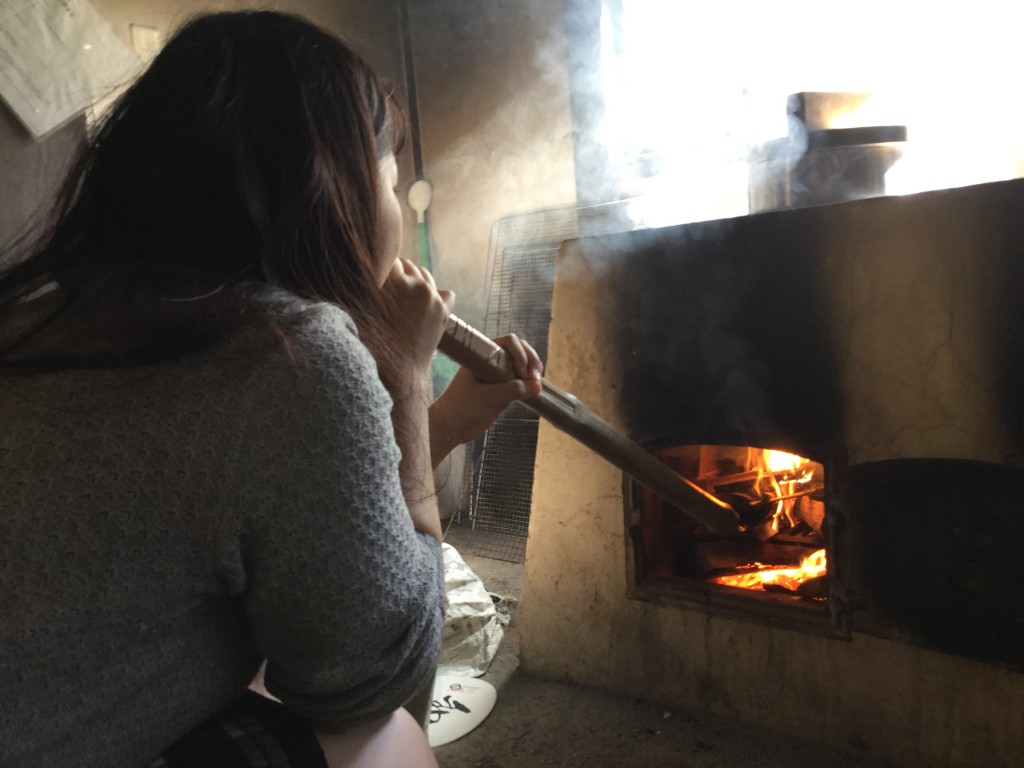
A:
(253, 733)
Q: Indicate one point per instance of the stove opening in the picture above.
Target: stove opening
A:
(780, 548)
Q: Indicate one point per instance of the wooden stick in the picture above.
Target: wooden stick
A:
(490, 363)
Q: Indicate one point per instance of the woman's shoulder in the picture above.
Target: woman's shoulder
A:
(306, 331)
(301, 315)
(315, 346)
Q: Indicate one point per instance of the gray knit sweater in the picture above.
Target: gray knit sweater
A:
(164, 529)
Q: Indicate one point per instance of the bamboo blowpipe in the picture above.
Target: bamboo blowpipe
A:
(489, 362)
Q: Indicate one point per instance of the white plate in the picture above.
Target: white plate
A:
(459, 705)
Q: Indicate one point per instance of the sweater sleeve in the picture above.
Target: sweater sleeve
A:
(345, 598)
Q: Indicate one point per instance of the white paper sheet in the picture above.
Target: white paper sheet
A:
(56, 58)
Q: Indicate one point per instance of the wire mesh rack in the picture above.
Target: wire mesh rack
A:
(494, 516)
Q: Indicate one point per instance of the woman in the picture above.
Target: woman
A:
(218, 435)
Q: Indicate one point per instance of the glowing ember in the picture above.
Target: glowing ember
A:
(758, 576)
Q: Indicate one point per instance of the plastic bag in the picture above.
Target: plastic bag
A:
(473, 627)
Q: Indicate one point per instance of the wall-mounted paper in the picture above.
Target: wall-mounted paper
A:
(56, 58)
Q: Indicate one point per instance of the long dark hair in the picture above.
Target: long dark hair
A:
(247, 152)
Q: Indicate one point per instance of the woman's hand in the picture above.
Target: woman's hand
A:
(422, 310)
(420, 314)
(468, 406)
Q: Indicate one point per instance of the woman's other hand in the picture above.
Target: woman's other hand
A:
(468, 406)
(422, 311)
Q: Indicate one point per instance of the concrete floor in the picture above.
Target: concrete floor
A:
(543, 724)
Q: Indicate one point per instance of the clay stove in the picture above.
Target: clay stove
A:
(848, 375)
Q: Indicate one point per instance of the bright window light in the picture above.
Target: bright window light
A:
(691, 88)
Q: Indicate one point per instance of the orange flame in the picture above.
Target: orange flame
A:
(759, 575)
(778, 474)
(782, 467)
(780, 461)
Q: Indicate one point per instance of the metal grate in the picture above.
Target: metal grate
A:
(495, 513)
